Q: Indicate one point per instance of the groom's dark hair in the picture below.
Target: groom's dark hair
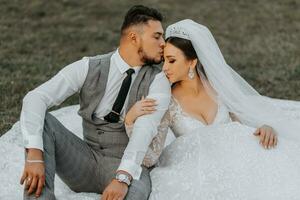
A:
(140, 14)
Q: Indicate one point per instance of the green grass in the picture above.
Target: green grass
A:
(260, 39)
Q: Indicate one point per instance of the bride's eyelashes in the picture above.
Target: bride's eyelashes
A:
(172, 61)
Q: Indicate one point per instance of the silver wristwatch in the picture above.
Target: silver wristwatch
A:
(123, 178)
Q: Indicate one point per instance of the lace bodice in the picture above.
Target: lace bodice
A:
(180, 123)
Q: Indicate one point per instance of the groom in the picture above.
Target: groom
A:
(106, 161)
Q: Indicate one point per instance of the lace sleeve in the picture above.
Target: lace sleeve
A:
(157, 144)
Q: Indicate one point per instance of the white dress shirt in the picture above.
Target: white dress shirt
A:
(69, 80)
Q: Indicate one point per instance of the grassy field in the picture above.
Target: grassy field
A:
(259, 38)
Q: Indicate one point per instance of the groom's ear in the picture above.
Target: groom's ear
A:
(134, 38)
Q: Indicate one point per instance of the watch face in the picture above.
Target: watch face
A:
(122, 177)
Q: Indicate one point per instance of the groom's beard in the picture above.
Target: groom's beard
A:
(147, 60)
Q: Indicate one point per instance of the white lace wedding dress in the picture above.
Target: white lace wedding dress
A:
(212, 163)
(224, 161)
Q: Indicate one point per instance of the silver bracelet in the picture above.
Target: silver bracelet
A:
(35, 161)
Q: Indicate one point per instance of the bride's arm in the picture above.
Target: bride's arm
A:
(142, 107)
(268, 137)
(157, 145)
(158, 142)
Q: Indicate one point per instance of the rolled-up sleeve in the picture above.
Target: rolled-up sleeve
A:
(145, 127)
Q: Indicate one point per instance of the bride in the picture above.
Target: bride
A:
(227, 143)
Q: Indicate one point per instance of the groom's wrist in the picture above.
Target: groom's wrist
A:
(34, 154)
(124, 172)
(123, 177)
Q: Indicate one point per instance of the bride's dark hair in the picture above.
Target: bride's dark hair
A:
(187, 48)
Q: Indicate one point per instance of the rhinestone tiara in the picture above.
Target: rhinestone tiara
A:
(177, 31)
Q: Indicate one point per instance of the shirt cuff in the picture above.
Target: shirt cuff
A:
(33, 142)
(132, 168)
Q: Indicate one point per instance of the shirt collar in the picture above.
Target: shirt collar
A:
(122, 65)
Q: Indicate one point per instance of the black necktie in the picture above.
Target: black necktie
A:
(114, 115)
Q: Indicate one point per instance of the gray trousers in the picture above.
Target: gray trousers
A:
(80, 166)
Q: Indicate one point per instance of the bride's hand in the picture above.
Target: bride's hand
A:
(142, 107)
(268, 137)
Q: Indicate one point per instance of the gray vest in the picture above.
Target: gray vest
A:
(108, 138)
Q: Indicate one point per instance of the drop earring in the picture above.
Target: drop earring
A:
(191, 73)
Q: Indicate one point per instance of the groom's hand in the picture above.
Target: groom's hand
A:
(34, 173)
(267, 135)
(115, 191)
